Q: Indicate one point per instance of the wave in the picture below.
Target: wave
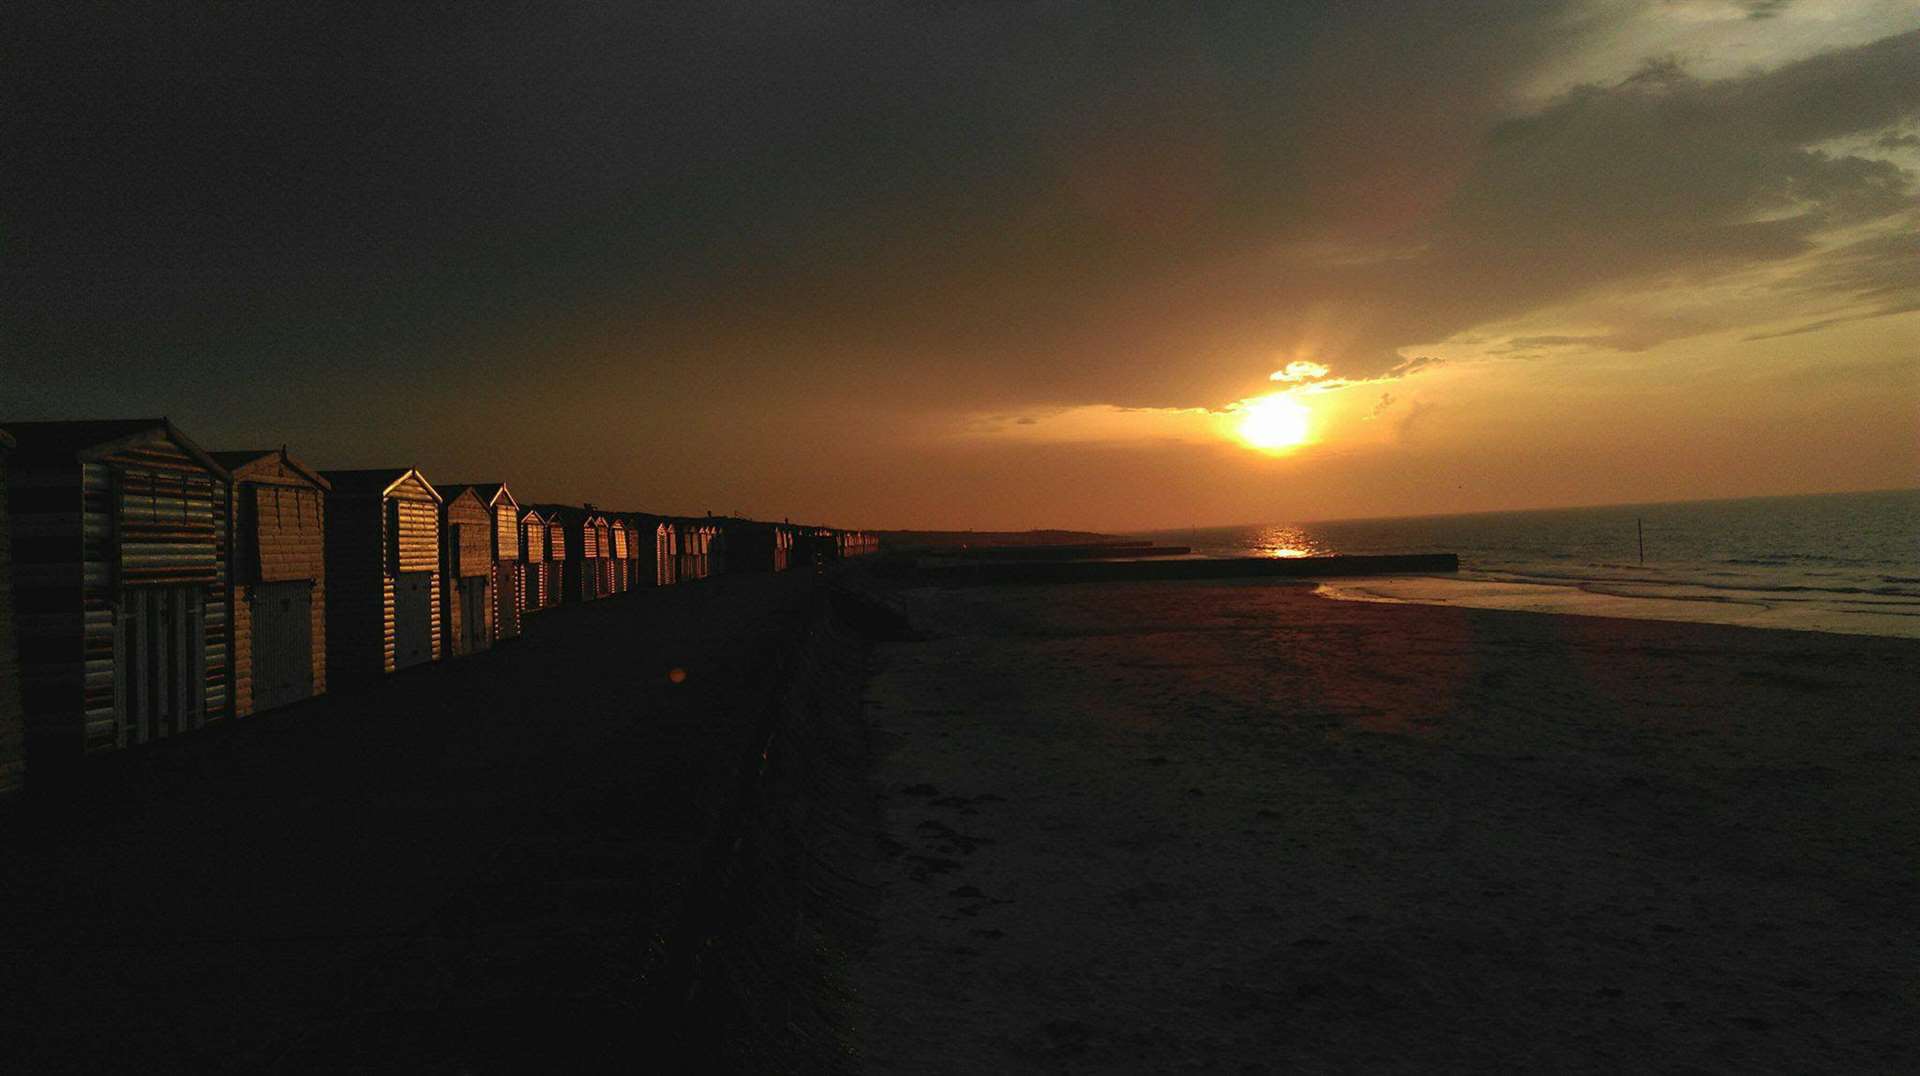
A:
(1740, 586)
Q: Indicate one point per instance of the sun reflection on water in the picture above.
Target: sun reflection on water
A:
(1289, 542)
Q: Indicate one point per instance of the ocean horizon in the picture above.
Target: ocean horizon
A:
(1835, 562)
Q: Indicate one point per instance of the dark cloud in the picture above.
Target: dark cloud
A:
(744, 219)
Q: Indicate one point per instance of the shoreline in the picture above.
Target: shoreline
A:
(1603, 598)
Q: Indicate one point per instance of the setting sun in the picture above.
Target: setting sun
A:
(1274, 422)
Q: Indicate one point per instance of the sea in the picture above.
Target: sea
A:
(1838, 562)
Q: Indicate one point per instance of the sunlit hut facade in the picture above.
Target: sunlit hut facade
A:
(620, 555)
(466, 564)
(558, 549)
(119, 558)
(666, 553)
(383, 572)
(279, 579)
(13, 719)
(540, 560)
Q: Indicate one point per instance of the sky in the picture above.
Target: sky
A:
(988, 265)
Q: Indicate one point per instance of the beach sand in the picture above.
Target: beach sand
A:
(1241, 828)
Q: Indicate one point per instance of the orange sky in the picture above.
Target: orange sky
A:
(995, 267)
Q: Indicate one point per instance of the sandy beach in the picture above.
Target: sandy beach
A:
(1241, 828)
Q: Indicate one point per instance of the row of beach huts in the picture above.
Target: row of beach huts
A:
(149, 587)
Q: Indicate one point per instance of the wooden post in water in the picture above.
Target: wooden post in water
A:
(1640, 529)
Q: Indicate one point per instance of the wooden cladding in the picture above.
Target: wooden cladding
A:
(166, 527)
(506, 530)
(536, 539)
(414, 533)
(469, 537)
(280, 534)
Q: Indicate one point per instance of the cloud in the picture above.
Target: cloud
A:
(1764, 9)
(1300, 370)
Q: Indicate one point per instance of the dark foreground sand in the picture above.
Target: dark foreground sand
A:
(489, 865)
(1218, 827)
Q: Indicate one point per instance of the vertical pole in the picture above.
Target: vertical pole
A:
(1640, 528)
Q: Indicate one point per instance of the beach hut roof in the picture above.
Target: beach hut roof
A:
(237, 462)
(450, 494)
(490, 493)
(375, 481)
(99, 437)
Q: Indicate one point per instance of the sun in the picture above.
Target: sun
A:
(1274, 422)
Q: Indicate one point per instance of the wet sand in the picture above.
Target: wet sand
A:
(1240, 828)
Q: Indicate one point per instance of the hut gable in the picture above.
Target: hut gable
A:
(469, 534)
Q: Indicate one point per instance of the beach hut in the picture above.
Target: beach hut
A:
(383, 572)
(509, 571)
(13, 719)
(558, 549)
(466, 565)
(541, 559)
(603, 534)
(279, 579)
(686, 562)
(119, 560)
(586, 540)
(619, 555)
(666, 553)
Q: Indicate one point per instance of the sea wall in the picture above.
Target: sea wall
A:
(756, 965)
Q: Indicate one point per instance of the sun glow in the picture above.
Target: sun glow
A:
(1273, 423)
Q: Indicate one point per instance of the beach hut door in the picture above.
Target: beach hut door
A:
(162, 651)
(473, 613)
(282, 643)
(412, 619)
